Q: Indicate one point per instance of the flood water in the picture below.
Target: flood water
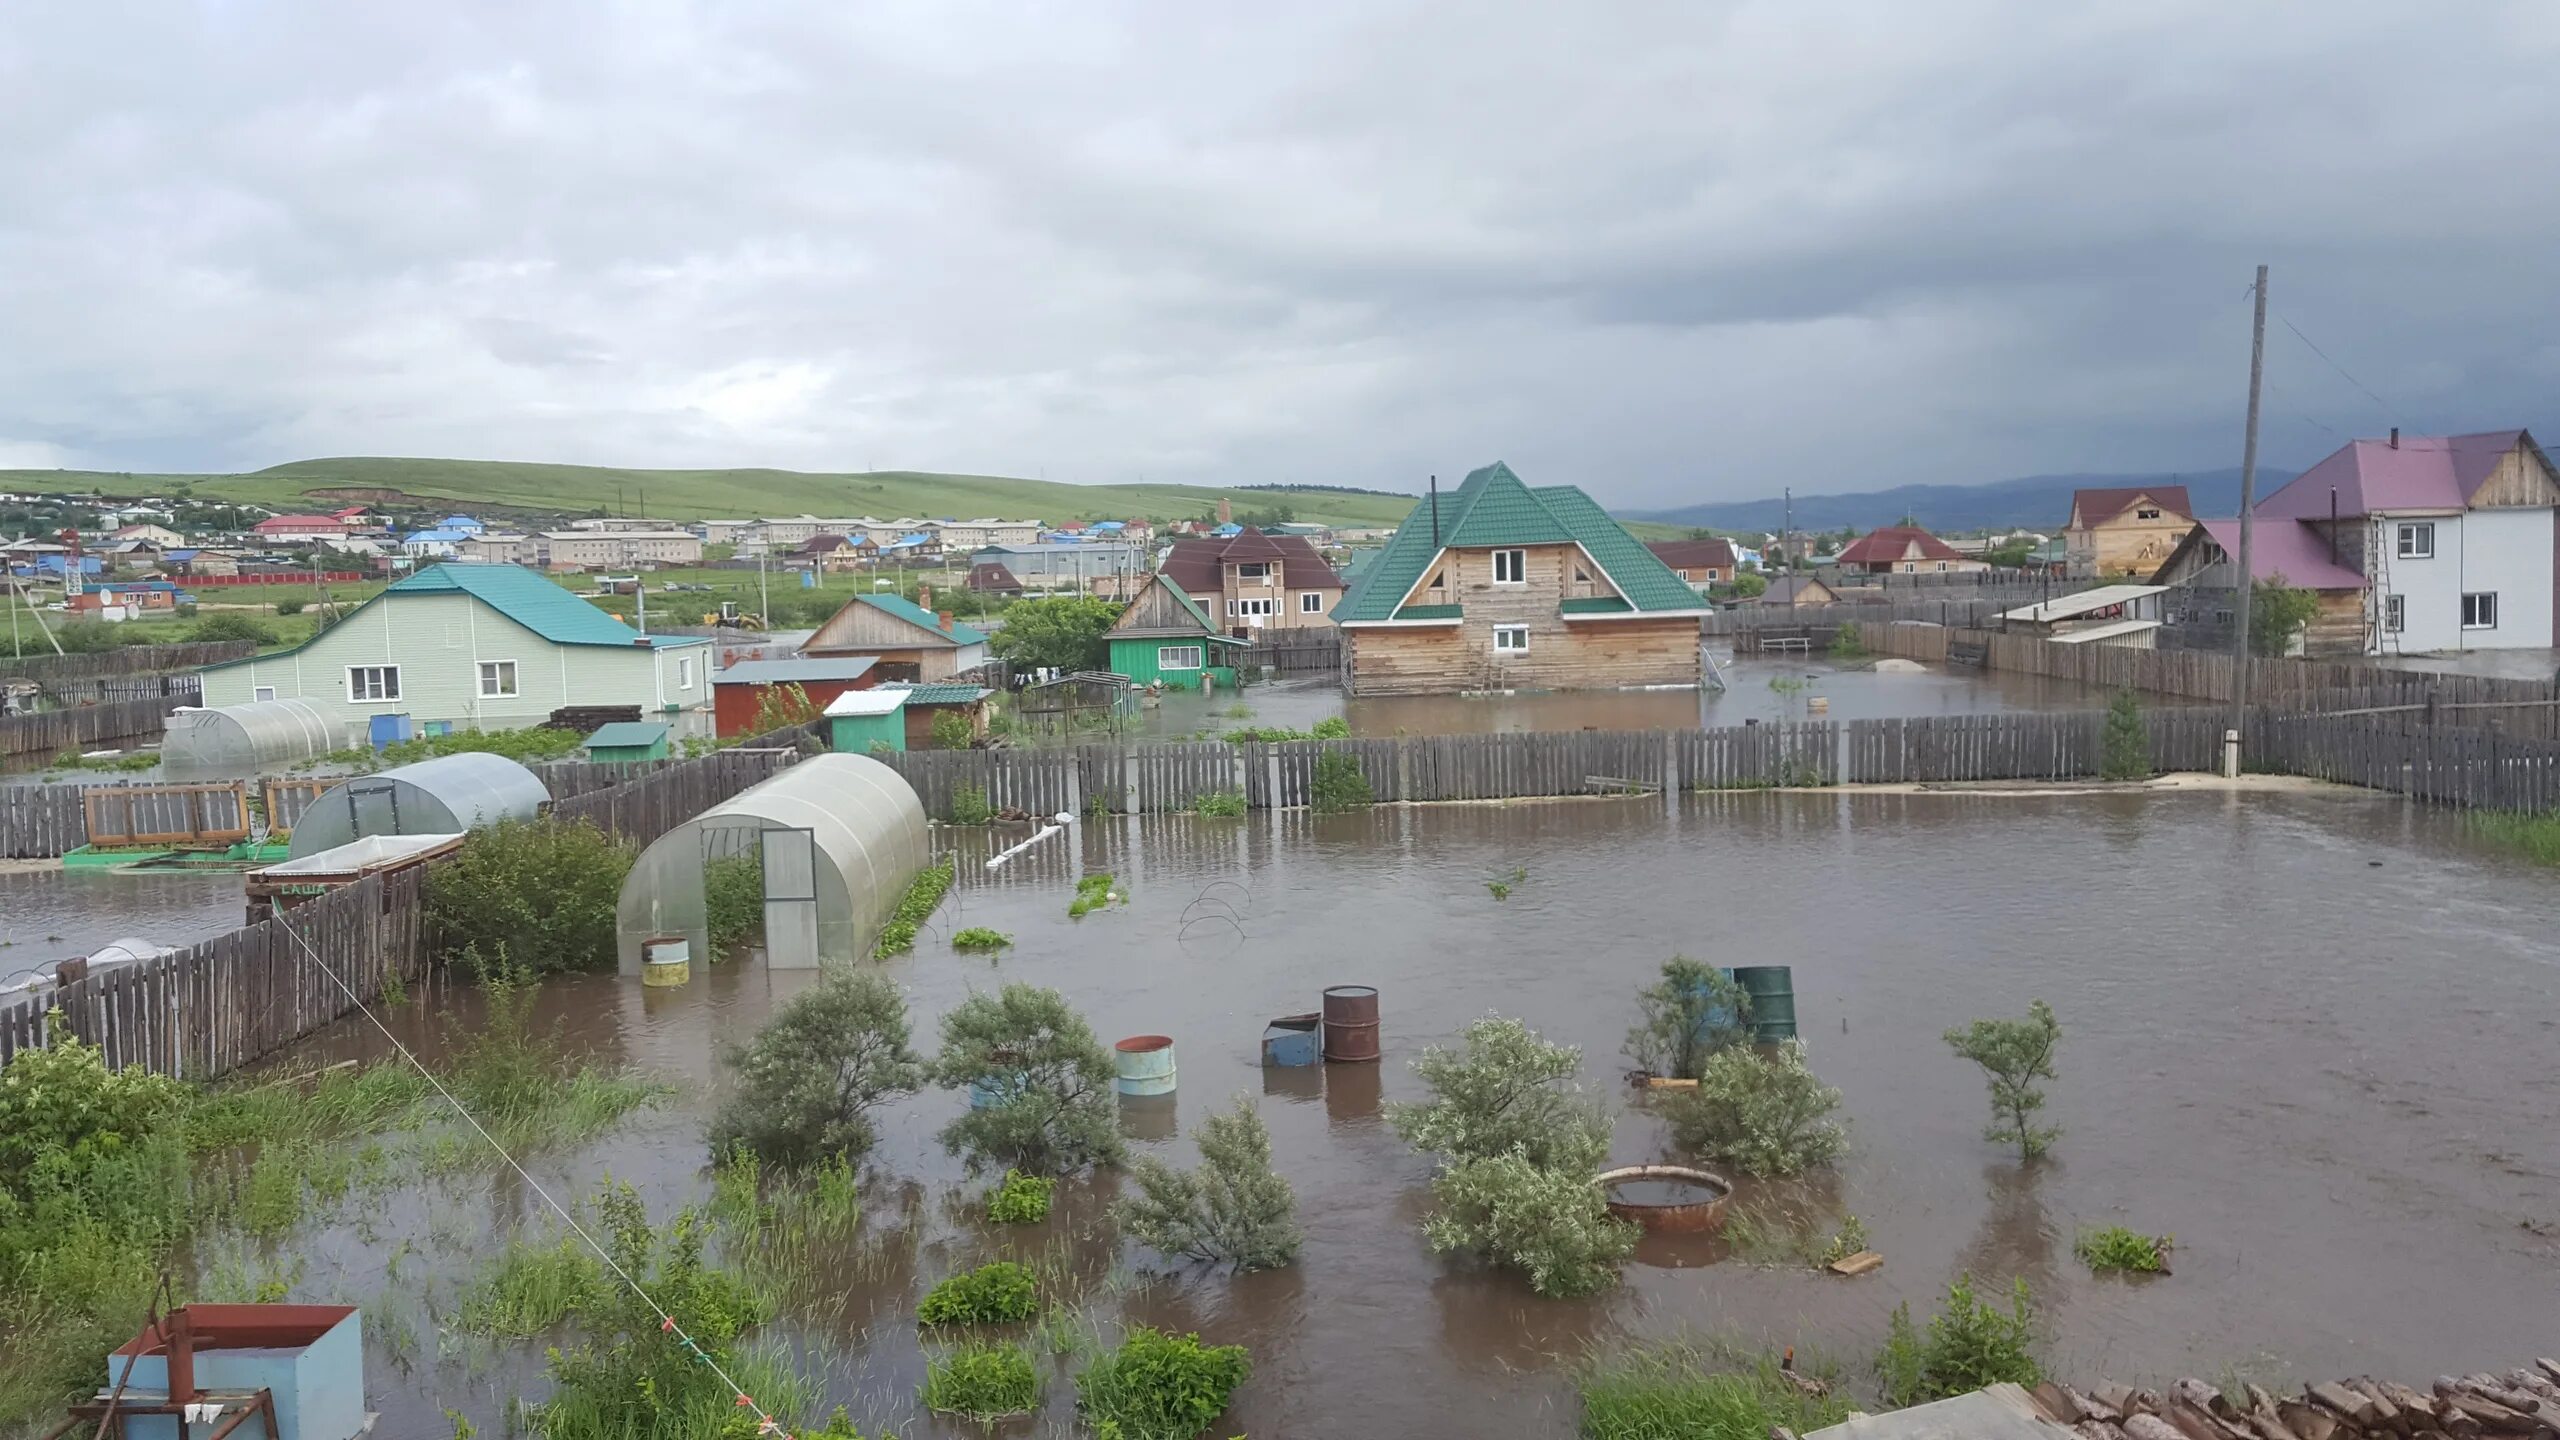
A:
(2311, 1035)
(53, 914)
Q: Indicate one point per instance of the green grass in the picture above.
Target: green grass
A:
(2534, 836)
(983, 1382)
(1687, 1392)
(979, 937)
(1021, 1199)
(999, 1293)
(2114, 1247)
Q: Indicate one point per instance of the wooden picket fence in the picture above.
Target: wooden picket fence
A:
(126, 660)
(48, 732)
(2458, 766)
(642, 810)
(205, 813)
(2066, 746)
(38, 822)
(1294, 649)
(210, 1008)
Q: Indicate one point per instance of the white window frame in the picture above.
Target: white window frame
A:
(1519, 633)
(262, 692)
(1518, 566)
(684, 672)
(2395, 614)
(1942, 564)
(1181, 657)
(514, 680)
(1310, 602)
(2472, 610)
(2415, 540)
(2146, 513)
(1254, 605)
(1253, 569)
(386, 677)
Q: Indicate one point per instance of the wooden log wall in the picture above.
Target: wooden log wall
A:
(126, 660)
(209, 1009)
(49, 732)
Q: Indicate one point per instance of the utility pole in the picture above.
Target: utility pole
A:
(2248, 501)
(1787, 527)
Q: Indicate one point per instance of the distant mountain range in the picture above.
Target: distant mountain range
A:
(2030, 502)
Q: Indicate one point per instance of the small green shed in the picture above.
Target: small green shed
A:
(1163, 636)
(625, 741)
(858, 720)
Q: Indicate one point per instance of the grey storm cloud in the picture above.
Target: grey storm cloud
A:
(1669, 251)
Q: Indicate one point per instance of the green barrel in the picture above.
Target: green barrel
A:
(1772, 989)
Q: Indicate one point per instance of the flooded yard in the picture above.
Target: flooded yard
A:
(48, 913)
(2311, 1035)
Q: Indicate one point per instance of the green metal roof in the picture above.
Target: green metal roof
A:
(1595, 605)
(915, 614)
(942, 694)
(1430, 612)
(528, 599)
(627, 733)
(1492, 507)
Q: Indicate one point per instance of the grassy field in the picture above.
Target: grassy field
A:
(720, 494)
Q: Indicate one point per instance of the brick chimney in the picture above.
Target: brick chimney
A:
(1226, 512)
(924, 597)
(945, 617)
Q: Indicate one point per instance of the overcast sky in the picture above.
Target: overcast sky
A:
(1669, 252)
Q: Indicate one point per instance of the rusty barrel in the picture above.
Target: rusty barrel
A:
(1351, 1023)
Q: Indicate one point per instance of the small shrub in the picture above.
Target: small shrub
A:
(542, 891)
(982, 1382)
(1765, 1116)
(1507, 1091)
(1021, 1199)
(1694, 1012)
(2014, 1054)
(1235, 1209)
(979, 937)
(1552, 1225)
(1339, 785)
(808, 1082)
(950, 731)
(63, 1106)
(1092, 893)
(1156, 1386)
(1848, 1240)
(1220, 805)
(1046, 1078)
(290, 607)
(1846, 645)
(2114, 1247)
(1969, 1345)
(1239, 711)
(1001, 1293)
(1331, 727)
(732, 902)
(1677, 1392)
(232, 625)
(923, 897)
(969, 805)
(2125, 751)
(783, 707)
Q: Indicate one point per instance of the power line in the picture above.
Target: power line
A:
(2379, 403)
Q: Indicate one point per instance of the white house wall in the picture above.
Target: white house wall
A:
(2507, 553)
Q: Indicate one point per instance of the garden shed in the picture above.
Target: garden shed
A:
(839, 838)
(243, 740)
(858, 720)
(444, 796)
(627, 742)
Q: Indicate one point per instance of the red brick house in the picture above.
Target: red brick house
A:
(1905, 550)
(1700, 562)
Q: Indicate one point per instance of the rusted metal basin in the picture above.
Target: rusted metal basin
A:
(1668, 1199)
(1351, 1023)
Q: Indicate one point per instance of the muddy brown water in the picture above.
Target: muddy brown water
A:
(53, 914)
(2311, 1035)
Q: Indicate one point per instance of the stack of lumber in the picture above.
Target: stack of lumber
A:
(2522, 1403)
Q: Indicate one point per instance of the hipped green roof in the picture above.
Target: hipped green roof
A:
(528, 599)
(1492, 507)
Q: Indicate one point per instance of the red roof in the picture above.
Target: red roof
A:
(2413, 472)
(1194, 564)
(2286, 548)
(1894, 543)
(274, 523)
(1710, 554)
(2099, 505)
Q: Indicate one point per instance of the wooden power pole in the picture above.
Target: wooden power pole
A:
(2248, 501)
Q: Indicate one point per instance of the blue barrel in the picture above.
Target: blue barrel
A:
(1772, 991)
(1293, 1040)
(1146, 1064)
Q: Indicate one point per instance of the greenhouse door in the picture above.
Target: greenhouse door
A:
(791, 899)
(373, 809)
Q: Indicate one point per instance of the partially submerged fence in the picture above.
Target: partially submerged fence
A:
(1297, 648)
(644, 809)
(48, 732)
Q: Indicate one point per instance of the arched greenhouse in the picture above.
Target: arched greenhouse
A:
(444, 796)
(228, 741)
(839, 838)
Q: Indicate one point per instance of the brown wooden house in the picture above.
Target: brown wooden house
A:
(2126, 530)
(1251, 581)
(1700, 562)
(908, 641)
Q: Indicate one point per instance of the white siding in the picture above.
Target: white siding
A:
(2502, 552)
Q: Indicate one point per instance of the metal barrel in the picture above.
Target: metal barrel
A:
(1772, 989)
(1293, 1040)
(1146, 1064)
(1351, 1023)
(665, 960)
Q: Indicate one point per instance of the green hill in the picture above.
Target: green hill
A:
(712, 494)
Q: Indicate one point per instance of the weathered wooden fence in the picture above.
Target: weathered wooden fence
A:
(47, 732)
(38, 822)
(2039, 746)
(126, 660)
(207, 813)
(2441, 764)
(1961, 613)
(206, 1010)
(1300, 648)
(644, 809)
(186, 688)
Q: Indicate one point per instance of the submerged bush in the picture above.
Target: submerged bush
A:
(1551, 1225)
(1093, 892)
(1676, 1392)
(1506, 1091)
(1693, 1012)
(2113, 1247)
(1970, 1344)
(1235, 1209)
(1000, 1293)
(982, 1382)
(1220, 805)
(2014, 1055)
(969, 805)
(1156, 1386)
(1044, 1079)
(540, 891)
(1764, 1115)
(923, 897)
(1338, 784)
(979, 937)
(1021, 1199)
(808, 1082)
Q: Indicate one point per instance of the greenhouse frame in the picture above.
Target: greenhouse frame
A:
(238, 741)
(444, 796)
(839, 838)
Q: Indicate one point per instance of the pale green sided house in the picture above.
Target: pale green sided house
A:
(1165, 636)
(463, 646)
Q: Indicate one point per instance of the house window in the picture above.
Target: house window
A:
(1178, 657)
(1253, 570)
(1683, 574)
(1510, 567)
(1942, 564)
(1258, 605)
(2418, 540)
(373, 682)
(2395, 613)
(684, 672)
(1311, 603)
(497, 679)
(2146, 513)
(1511, 639)
(2480, 610)
(263, 692)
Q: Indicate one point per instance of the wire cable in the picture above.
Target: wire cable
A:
(2378, 402)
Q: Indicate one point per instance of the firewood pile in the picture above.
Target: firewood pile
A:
(2523, 1403)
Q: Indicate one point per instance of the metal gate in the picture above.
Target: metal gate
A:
(790, 899)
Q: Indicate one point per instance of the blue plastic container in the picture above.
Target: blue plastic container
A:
(1293, 1040)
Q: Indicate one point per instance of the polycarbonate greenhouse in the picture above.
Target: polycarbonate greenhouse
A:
(444, 796)
(239, 741)
(838, 839)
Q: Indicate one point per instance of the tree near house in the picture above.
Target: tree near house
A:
(2277, 613)
(1063, 632)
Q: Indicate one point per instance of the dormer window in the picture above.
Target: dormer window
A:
(1440, 582)
(2146, 513)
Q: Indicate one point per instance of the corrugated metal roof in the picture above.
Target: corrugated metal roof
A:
(2415, 472)
(2083, 603)
(1492, 507)
(801, 669)
(918, 616)
(868, 702)
(628, 734)
(2103, 632)
(944, 693)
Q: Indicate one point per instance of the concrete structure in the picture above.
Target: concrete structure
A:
(498, 547)
(910, 642)
(617, 549)
(1250, 581)
(2126, 530)
(1497, 586)
(474, 647)
(438, 544)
